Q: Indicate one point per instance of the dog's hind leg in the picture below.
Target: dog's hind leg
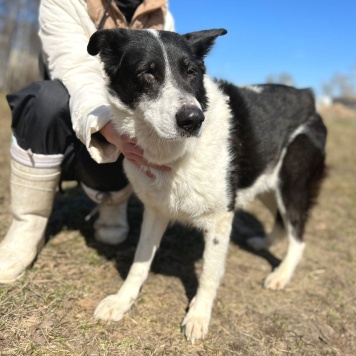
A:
(115, 306)
(278, 231)
(280, 277)
(217, 235)
(300, 177)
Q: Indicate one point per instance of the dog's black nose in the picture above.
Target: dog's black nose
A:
(190, 119)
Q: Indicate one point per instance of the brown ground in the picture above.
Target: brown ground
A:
(50, 310)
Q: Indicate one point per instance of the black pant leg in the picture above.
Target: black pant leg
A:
(41, 122)
(41, 119)
(102, 177)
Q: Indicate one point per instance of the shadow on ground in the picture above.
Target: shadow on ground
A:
(180, 249)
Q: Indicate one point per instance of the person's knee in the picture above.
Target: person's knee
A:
(40, 102)
(41, 118)
(51, 101)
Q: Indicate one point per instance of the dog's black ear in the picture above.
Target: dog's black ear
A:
(96, 42)
(106, 39)
(202, 41)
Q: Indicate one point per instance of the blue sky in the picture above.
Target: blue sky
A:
(311, 40)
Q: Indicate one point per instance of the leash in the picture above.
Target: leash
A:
(103, 198)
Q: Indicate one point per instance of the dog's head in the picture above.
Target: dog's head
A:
(158, 75)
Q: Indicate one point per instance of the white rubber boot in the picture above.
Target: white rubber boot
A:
(111, 227)
(32, 195)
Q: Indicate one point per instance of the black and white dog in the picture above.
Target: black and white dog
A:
(225, 145)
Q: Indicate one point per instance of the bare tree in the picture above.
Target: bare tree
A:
(271, 79)
(344, 85)
(327, 89)
(19, 43)
(341, 85)
(282, 78)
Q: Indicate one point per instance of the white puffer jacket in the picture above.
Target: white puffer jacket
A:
(65, 29)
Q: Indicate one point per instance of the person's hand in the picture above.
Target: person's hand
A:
(129, 149)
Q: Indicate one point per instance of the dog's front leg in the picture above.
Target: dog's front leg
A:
(217, 235)
(115, 306)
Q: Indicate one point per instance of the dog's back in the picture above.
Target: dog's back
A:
(278, 140)
(265, 117)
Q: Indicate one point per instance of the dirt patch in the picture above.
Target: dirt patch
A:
(50, 310)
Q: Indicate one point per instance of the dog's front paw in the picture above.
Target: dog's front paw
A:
(112, 308)
(195, 324)
(278, 279)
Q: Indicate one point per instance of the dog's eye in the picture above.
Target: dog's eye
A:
(191, 71)
(146, 77)
(147, 74)
(188, 69)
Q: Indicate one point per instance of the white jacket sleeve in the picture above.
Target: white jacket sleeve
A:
(65, 29)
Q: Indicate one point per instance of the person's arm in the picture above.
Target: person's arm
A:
(65, 29)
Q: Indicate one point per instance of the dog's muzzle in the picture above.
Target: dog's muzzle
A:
(190, 119)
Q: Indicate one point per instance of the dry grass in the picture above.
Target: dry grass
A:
(338, 112)
(49, 311)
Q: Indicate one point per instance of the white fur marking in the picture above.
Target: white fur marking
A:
(279, 278)
(257, 89)
(161, 113)
(115, 306)
(153, 32)
(301, 129)
(196, 322)
(269, 180)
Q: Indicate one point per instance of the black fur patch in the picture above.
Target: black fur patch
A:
(187, 70)
(301, 175)
(135, 64)
(263, 122)
(130, 69)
